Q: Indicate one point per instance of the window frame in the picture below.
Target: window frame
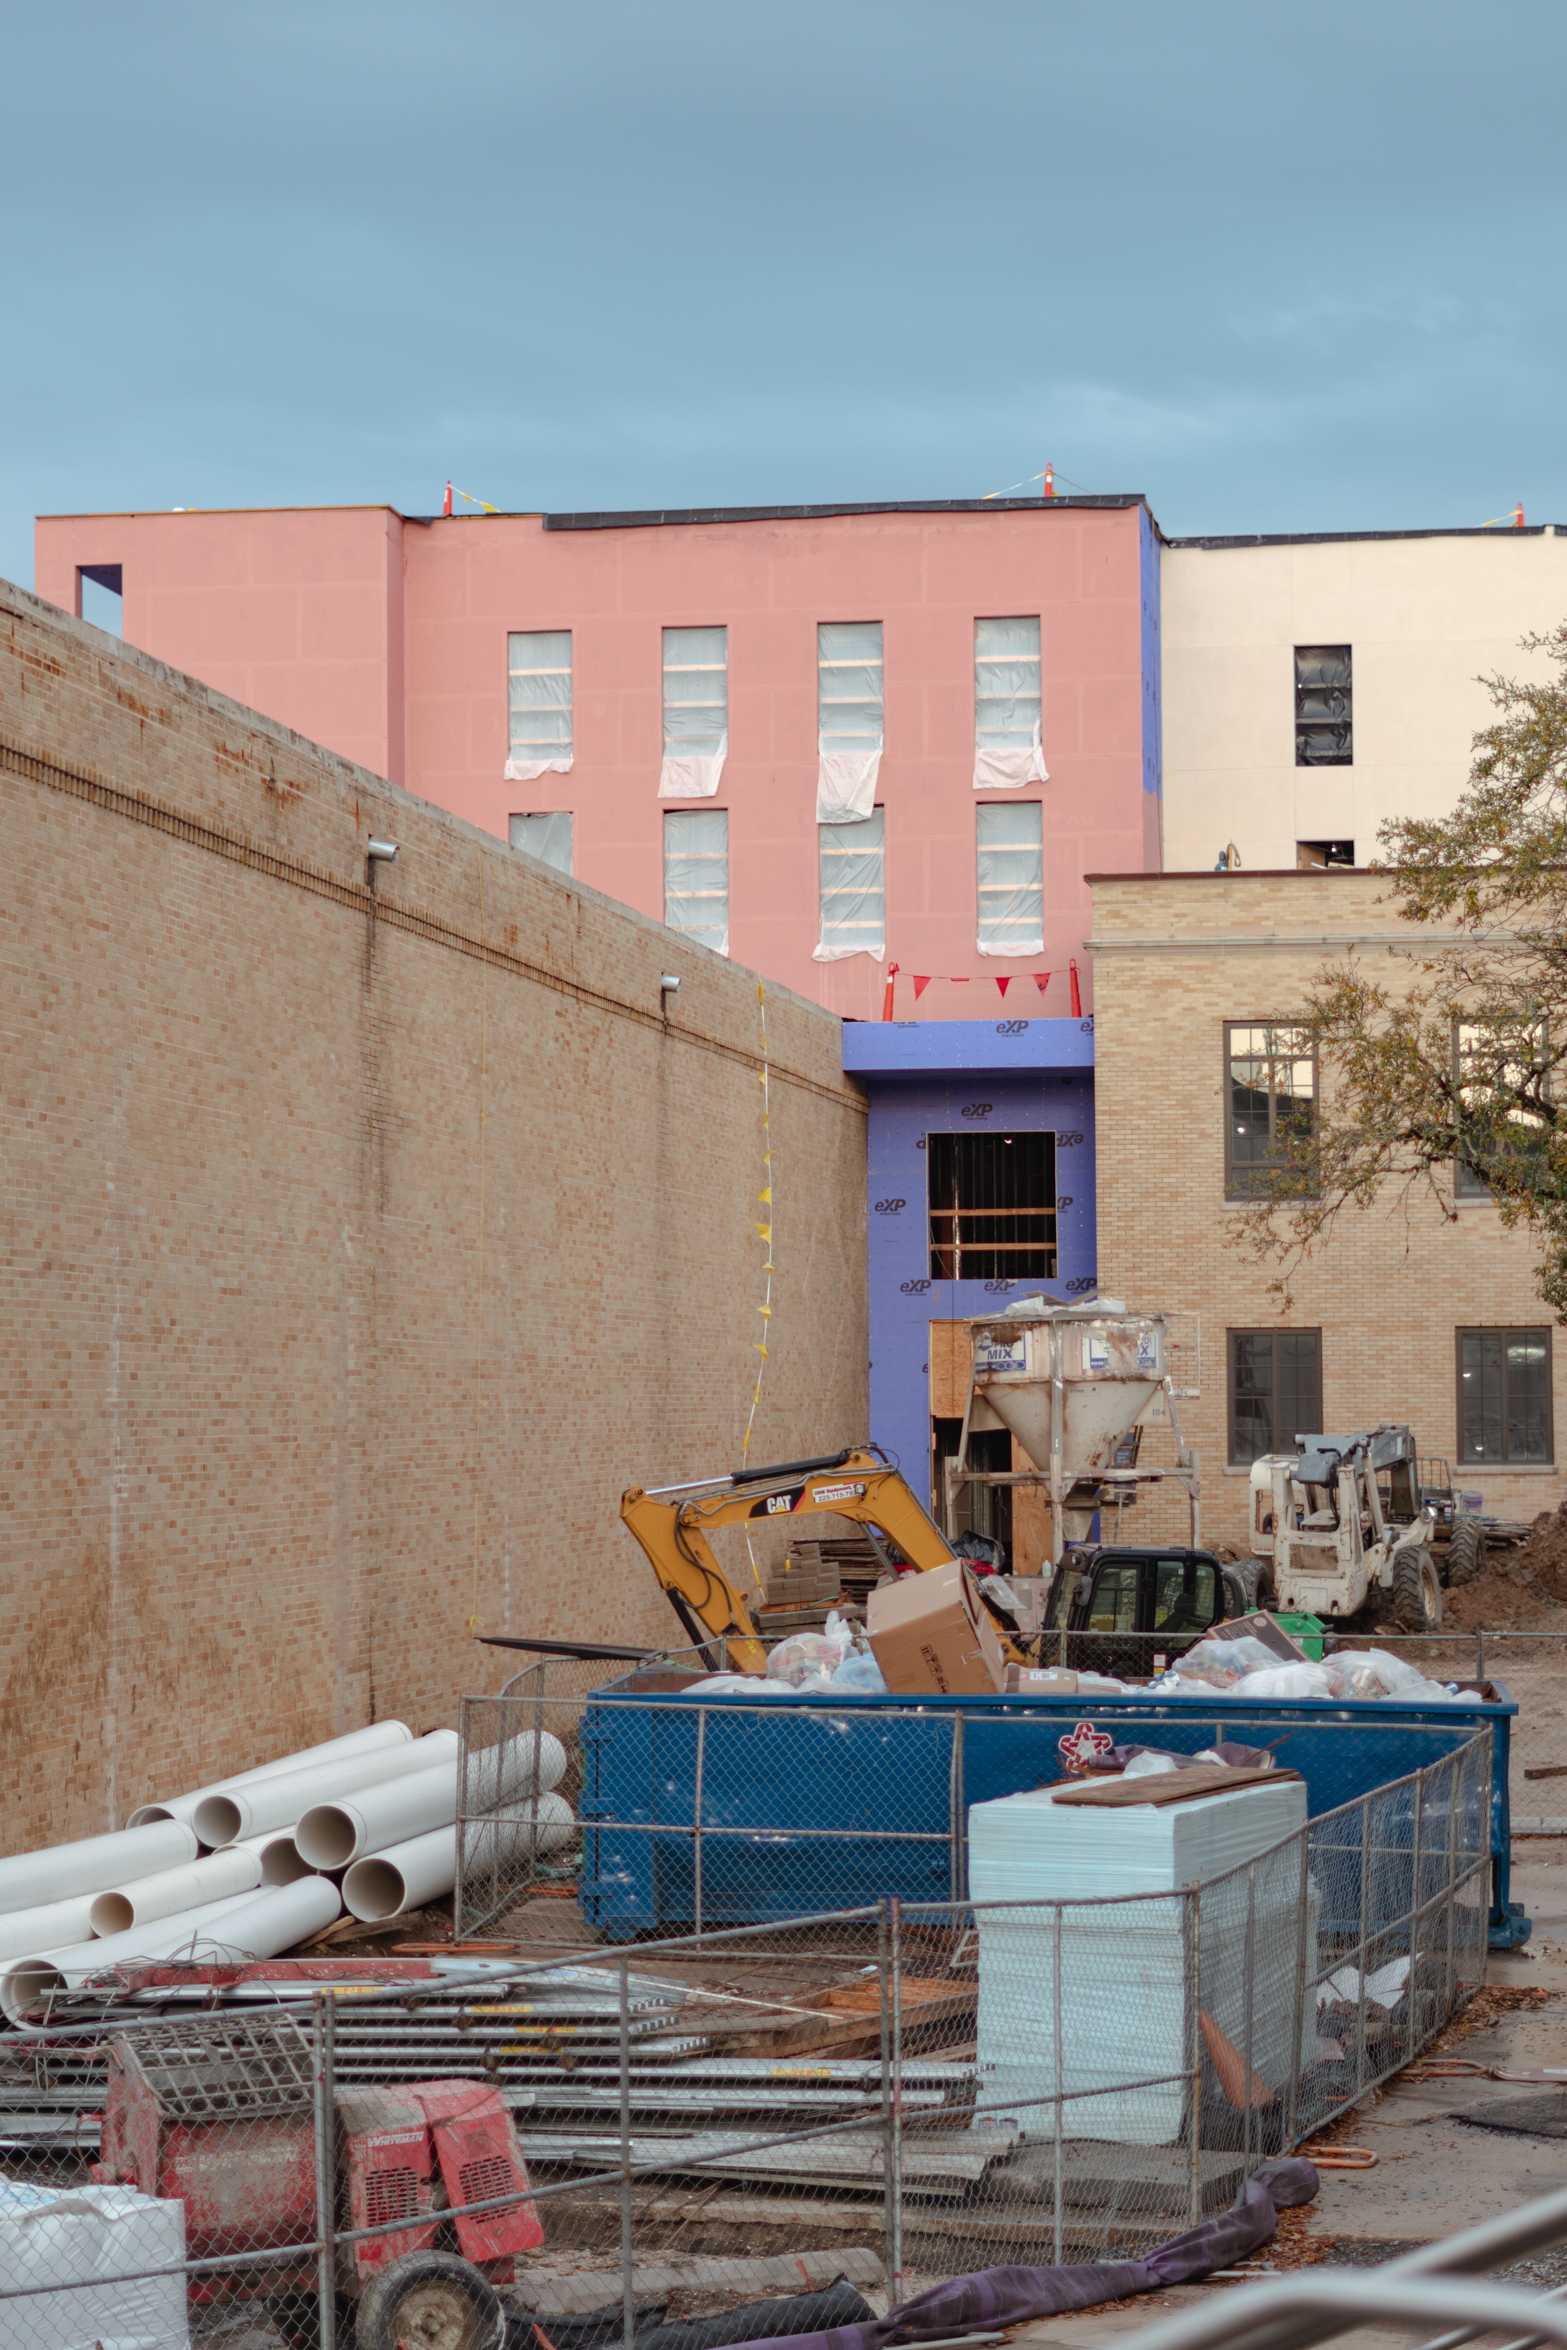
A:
(556, 758)
(1036, 660)
(1302, 724)
(1476, 1192)
(857, 745)
(1244, 1199)
(702, 808)
(666, 669)
(825, 939)
(997, 1260)
(1281, 1442)
(1505, 1464)
(1007, 807)
(527, 815)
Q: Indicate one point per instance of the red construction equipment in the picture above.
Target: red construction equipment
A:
(222, 2119)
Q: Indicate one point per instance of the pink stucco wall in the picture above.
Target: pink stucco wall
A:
(386, 640)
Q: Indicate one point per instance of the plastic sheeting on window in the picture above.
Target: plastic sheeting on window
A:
(696, 876)
(545, 835)
(853, 890)
(1008, 747)
(1010, 878)
(849, 718)
(696, 712)
(538, 686)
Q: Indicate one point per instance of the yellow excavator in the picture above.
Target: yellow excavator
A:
(1165, 1597)
(672, 1524)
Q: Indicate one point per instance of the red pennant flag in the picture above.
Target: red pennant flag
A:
(1004, 984)
(1041, 980)
(921, 982)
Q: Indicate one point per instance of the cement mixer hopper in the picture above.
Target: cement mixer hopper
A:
(1090, 1373)
(1070, 1384)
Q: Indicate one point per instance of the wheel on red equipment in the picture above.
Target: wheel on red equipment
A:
(430, 2301)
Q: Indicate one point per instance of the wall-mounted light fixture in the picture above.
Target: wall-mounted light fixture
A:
(381, 852)
(668, 984)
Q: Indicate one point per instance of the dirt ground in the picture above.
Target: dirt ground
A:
(1526, 1586)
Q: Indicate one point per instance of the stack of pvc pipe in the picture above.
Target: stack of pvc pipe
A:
(148, 1890)
(228, 1868)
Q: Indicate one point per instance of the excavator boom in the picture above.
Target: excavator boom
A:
(672, 1523)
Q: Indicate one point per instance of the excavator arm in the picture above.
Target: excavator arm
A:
(673, 1522)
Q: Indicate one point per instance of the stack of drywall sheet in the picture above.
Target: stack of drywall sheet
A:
(1132, 1977)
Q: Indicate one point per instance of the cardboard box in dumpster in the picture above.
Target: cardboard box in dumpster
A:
(1263, 1627)
(1040, 1681)
(931, 1635)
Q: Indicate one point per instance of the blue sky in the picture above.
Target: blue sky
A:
(1280, 268)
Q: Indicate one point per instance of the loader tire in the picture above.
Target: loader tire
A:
(430, 2301)
(1465, 1551)
(1417, 1589)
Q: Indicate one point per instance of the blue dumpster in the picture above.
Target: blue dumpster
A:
(745, 1811)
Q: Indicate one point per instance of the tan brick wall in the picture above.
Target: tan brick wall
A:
(1174, 959)
(353, 1261)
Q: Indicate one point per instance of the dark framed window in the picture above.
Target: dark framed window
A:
(992, 1206)
(1491, 1063)
(1324, 706)
(1270, 1101)
(1275, 1391)
(1186, 1596)
(1115, 1599)
(1504, 1398)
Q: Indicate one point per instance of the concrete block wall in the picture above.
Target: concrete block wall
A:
(358, 1249)
(1176, 957)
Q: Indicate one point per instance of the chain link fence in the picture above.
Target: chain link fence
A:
(596, 2146)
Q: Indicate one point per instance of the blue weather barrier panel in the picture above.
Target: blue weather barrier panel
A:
(727, 1811)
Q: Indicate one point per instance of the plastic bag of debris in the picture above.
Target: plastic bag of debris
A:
(1216, 1665)
(808, 1660)
(1376, 1672)
(1286, 1681)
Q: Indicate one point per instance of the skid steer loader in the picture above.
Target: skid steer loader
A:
(1341, 1529)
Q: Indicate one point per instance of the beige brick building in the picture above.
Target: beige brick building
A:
(1400, 1317)
(365, 1231)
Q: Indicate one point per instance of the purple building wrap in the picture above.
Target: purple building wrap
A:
(960, 1077)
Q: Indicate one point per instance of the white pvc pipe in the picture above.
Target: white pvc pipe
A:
(243, 1926)
(190, 1886)
(384, 1885)
(61, 1872)
(279, 1856)
(27, 1981)
(366, 1741)
(22, 1930)
(331, 1835)
(278, 1802)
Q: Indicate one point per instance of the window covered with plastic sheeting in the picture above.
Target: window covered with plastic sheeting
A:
(546, 836)
(696, 875)
(1011, 878)
(1324, 714)
(538, 691)
(1008, 747)
(696, 712)
(853, 889)
(849, 718)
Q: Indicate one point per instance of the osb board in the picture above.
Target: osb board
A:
(847, 2018)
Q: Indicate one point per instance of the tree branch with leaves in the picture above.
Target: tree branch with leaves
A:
(1452, 1078)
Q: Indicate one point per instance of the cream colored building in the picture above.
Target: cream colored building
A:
(1421, 1315)
(1415, 618)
